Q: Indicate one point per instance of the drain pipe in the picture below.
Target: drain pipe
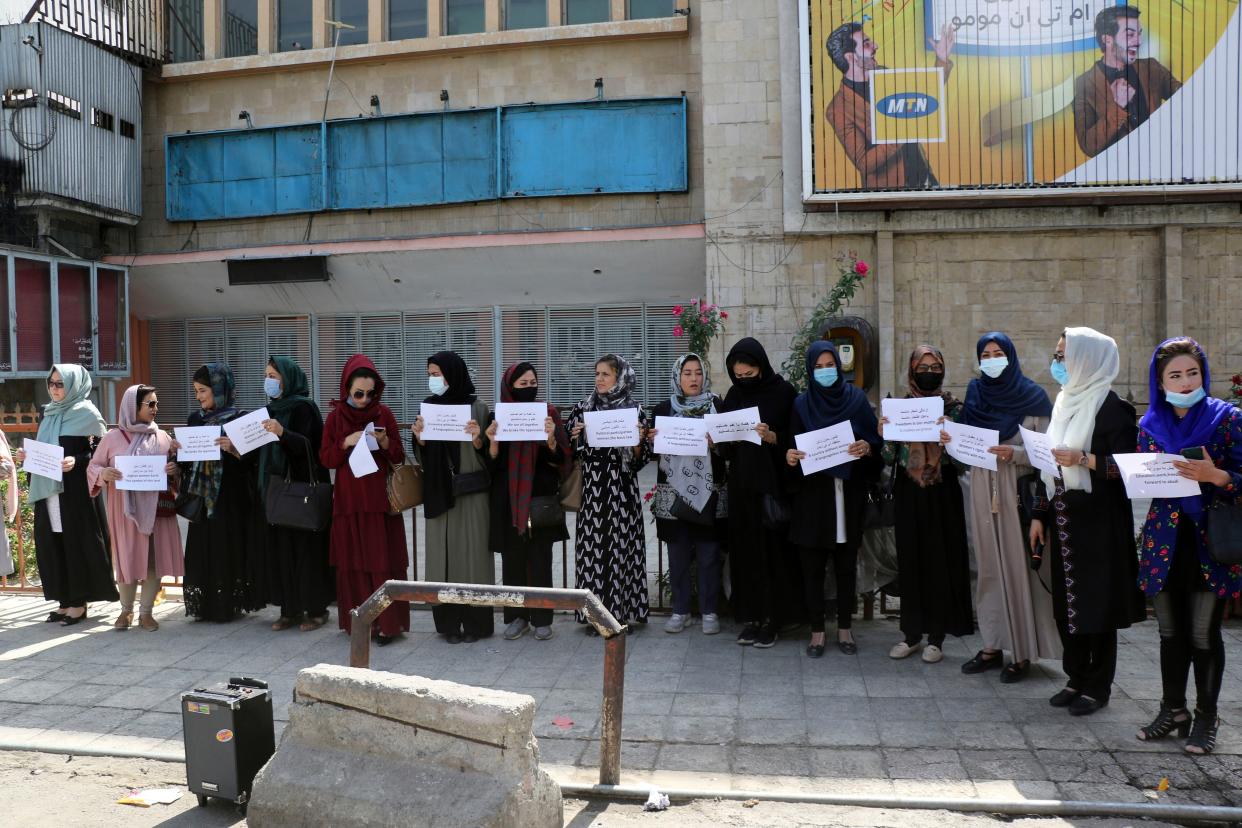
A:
(1009, 807)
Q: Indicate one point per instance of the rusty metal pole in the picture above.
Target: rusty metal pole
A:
(610, 713)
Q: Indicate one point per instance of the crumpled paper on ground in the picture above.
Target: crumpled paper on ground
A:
(656, 801)
(151, 796)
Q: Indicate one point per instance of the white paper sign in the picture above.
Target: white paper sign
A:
(612, 429)
(681, 436)
(1153, 475)
(197, 443)
(734, 426)
(970, 445)
(521, 422)
(1039, 451)
(913, 421)
(445, 422)
(247, 433)
(141, 473)
(369, 436)
(825, 447)
(361, 463)
(44, 459)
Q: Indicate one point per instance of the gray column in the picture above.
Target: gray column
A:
(1173, 322)
(884, 290)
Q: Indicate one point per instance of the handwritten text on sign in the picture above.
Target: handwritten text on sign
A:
(612, 429)
(825, 447)
(913, 421)
(681, 436)
(1153, 475)
(521, 422)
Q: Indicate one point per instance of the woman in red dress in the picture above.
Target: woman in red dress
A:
(368, 544)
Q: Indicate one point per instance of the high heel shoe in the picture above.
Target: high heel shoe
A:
(1166, 721)
(70, 620)
(1202, 739)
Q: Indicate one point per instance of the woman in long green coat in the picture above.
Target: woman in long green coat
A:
(456, 524)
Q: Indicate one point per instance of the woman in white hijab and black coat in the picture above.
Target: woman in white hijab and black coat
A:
(1087, 522)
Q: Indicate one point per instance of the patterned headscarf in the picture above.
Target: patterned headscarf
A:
(205, 476)
(620, 395)
(690, 477)
(922, 460)
(699, 404)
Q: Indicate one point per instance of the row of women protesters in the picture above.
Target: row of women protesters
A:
(1057, 571)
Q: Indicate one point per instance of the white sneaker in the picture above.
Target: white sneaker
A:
(932, 654)
(711, 624)
(901, 649)
(675, 623)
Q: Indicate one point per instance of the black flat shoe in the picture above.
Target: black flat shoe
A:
(382, 640)
(1085, 706)
(469, 638)
(69, 620)
(1014, 672)
(1064, 697)
(981, 662)
(847, 647)
(453, 638)
(815, 650)
(53, 617)
(748, 635)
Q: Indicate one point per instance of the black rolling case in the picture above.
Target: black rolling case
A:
(228, 738)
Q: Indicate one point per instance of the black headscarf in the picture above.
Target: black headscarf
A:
(755, 468)
(441, 458)
(820, 407)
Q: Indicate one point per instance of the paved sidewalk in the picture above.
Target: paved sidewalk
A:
(699, 710)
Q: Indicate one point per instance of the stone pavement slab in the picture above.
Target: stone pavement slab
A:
(694, 704)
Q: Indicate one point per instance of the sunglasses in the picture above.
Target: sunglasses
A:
(364, 395)
(152, 403)
(55, 384)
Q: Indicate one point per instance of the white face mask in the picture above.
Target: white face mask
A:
(994, 367)
(437, 385)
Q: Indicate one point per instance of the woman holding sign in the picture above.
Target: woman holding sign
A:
(611, 545)
(828, 505)
(526, 515)
(687, 498)
(146, 543)
(219, 582)
(1177, 571)
(932, 552)
(71, 536)
(766, 577)
(300, 580)
(1085, 518)
(368, 544)
(1013, 606)
(456, 484)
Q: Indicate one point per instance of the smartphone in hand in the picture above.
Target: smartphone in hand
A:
(1193, 453)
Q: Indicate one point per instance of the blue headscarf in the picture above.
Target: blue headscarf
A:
(819, 407)
(1193, 430)
(1003, 403)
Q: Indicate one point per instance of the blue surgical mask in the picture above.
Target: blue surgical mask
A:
(825, 376)
(994, 367)
(1185, 400)
(271, 387)
(1059, 373)
(437, 385)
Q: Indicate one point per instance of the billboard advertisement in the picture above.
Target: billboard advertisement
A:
(934, 98)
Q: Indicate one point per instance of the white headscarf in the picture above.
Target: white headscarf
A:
(1093, 363)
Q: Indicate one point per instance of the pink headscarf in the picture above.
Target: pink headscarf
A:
(143, 440)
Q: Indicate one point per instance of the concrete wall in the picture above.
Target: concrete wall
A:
(409, 82)
(943, 276)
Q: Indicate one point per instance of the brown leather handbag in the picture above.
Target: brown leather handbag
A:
(571, 489)
(405, 487)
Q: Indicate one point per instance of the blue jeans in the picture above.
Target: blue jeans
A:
(680, 554)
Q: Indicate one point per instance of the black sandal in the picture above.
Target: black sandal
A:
(1014, 672)
(53, 617)
(1166, 721)
(1202, 739)
(983, 662)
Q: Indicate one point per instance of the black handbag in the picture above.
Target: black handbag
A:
(681, 510)
(190, 506)
(777, 513)
(295, 504)
(1224, 532)
(470, 482)
(881, 511)
(546, 512)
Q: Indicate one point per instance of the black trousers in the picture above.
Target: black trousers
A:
(461, 619)
(1190, 616)
(845, 568)
(1090, 661)
(527, 563)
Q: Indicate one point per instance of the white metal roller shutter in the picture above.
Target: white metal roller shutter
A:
(523, 338)
(620, 332)
(472, 336)
(169, 371)
(425, 334)
(245, 341)
(572, 342)
(337, 342)
(383, 341)
(660, 350)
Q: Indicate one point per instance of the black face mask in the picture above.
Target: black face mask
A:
(526, 394)
(928, 381)
(747, 382)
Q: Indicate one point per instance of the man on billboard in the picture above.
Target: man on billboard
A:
(883, 166)
(1116, 95)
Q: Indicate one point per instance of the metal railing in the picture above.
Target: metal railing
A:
(479, 595)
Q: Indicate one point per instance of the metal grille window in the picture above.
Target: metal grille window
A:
(241, 28)
(101, 119)
(185, 30)
(65, 105)
(19, 98)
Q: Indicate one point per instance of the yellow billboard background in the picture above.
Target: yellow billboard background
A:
(986, 110)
